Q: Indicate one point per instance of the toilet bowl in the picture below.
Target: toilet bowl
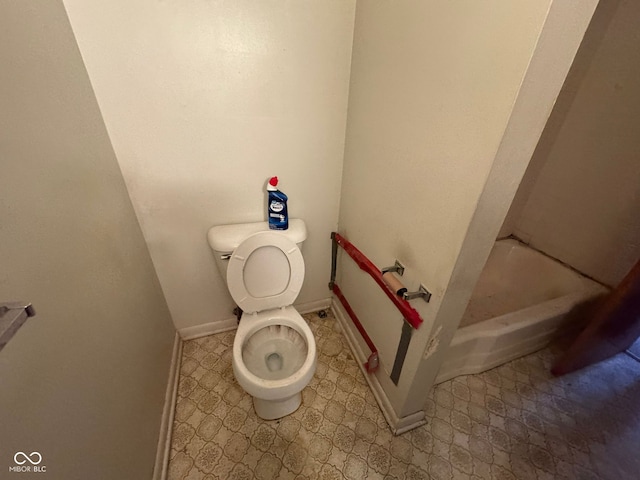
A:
(281, 394)
(274, 352)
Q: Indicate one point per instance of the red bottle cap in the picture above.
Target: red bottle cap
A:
(273, 181)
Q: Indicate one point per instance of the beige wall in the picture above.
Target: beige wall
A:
(433, 88)
(83, 382)
(203, 102)
(580, 198)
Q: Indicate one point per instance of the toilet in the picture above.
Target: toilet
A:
(274, 352)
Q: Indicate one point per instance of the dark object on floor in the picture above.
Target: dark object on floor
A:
(613, 327)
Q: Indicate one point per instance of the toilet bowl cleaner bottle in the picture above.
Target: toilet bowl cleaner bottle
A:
(277, 207)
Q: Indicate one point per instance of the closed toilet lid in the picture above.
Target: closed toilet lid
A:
(266, 271)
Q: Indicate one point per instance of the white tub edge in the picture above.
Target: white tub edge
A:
(485, 345)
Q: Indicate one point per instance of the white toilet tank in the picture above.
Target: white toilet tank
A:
(224, 239)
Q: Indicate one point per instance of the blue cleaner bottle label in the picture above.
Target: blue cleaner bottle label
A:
(276, 207)
(278, 218)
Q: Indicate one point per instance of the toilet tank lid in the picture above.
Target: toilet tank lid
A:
(226, 238)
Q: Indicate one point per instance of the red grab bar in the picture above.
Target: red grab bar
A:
(408, 312)
(372, 363)
(354, 317)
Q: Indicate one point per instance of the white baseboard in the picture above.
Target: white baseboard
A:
(309, 307)
(397, 424)
(161, 465)
(211, 328)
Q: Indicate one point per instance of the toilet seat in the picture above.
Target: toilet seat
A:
(269, 279)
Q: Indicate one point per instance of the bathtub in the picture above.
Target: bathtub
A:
(519, 304)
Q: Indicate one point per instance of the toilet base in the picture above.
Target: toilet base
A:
(272, 409)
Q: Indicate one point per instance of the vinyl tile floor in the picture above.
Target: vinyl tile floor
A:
(513, 422)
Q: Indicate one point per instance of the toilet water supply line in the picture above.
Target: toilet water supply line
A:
(411, 316)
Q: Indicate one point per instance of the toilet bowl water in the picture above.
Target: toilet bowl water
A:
(274, 352)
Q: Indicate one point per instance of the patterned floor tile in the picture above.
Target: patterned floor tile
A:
(513, 422)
